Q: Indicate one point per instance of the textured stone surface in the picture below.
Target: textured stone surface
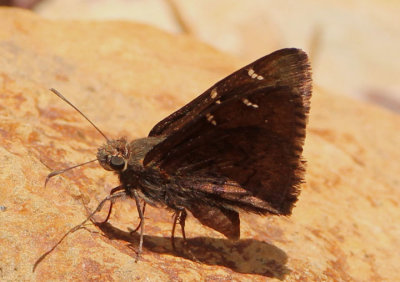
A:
(126, 77)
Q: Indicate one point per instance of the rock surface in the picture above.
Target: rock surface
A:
(126, 77)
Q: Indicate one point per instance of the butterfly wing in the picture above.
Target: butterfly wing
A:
(285, 67)
(241, 141)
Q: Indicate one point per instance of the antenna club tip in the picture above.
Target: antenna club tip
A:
(46, 181)
(54, 91)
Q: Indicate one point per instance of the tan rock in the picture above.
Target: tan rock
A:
(126, 77)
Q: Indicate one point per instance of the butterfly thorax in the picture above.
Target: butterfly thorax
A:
(126, 159)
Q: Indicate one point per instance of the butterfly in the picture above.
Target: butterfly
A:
(236, 147)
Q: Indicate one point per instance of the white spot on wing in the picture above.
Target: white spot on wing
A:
(254, 75)
(211, 119)
(214, 93)
(218, 102)
(249, 104)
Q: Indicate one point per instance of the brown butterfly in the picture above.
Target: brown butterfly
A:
(237, 147)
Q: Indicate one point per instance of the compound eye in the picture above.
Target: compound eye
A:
(117, 163)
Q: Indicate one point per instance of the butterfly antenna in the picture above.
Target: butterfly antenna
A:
(57, 172)
(69, 103)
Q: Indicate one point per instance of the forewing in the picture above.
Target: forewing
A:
(285, 67)
(250, 134)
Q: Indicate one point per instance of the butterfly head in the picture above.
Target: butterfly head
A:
(114, 155)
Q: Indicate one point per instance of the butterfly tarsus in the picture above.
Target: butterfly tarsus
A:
(180, 215)
(141, 224)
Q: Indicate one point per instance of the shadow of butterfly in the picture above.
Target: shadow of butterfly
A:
(237, 147)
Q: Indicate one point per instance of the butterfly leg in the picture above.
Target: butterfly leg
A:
(182, 219)
(181, 216)
(113, 191)
(177, 216)
(141, 224)
(77, 227)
